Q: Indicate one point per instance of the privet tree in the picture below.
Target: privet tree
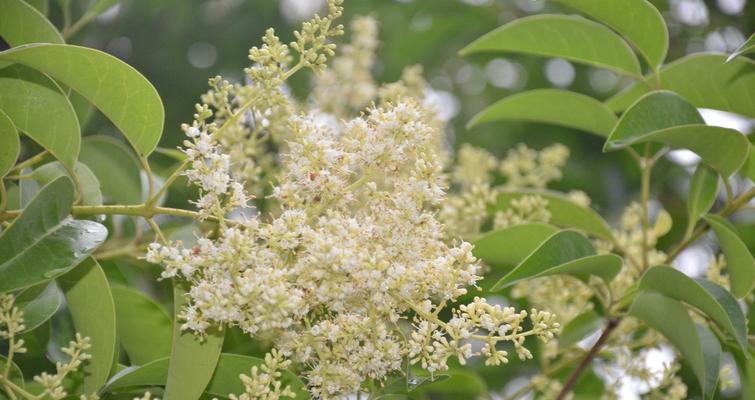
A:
(337, 238)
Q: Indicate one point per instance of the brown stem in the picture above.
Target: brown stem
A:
(574, 377)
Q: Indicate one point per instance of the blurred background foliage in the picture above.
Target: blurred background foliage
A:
(179, 44)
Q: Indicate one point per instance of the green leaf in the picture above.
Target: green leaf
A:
(20, 23)
(559, 107)
(748, 169)
(664, 117)
(41, 5)
(579, 328)
(114, 87)
(565, 252)
(90, 302)
(25, 96)
(99, 6)
(655, 111)
(192, 362)
(697, 345)
(115, 166)
(89, 183)
(739, 261)
(573, 38)
(564, 212)
(713, 300)
(225, 379)
(145, 330)
(638, 21)
(703, 188)
(44, 241)
(9, 144)
(461, 384)
(509, 246)
(703, 79)
(39, 303)
(747, 47)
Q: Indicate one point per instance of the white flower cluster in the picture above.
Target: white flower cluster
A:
(264, 382)
(355, 249)
(434, 341)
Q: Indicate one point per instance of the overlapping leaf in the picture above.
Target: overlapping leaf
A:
(713, 300)
(115, 88)
(509, 246)
(145, 330)
(44, 241)
(703, 79)
(90, 303)
(696, 343)
(192, 361)
(9, 144)
(664, 117)
(739, 261)
(565, 252)
(116, 168)
(703, 188)
(25, 96)
(21, 23)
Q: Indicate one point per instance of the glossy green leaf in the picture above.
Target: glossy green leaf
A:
(739, 261)
(713, 300)
(638, 21)
(9, 144)
(579, 328)
(99, 6)
(509, 246)
(573, 38)
(116, 167)
(703, 79)
(745, 48)
(460, 384)
(39, 303)
(91, 196)
(552, 106)
(41, 5)
(90, 303)
(703, 188)
(44, 241)
(565, 252)
(225, 380)
(21, 23)
(697, 345)
(564, 212)
(25, 95)
(145, 330)
(115, 88)
(654, 111)
(192, 362)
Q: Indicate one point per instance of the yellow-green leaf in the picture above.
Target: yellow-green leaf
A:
(565, 252)
(44, 241)
(573, 38)
(90, 302)
(739, 261)
(697, 344)
(39, 108)
(509, 246)
(9, 144)
(703, 188)
(21, 23)
(123, 94)
(638, 21)
(144, 328)
(192, 362)
(703, 79)
(552, 106)
(713, 300)
(115, 166)
(90, 185)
